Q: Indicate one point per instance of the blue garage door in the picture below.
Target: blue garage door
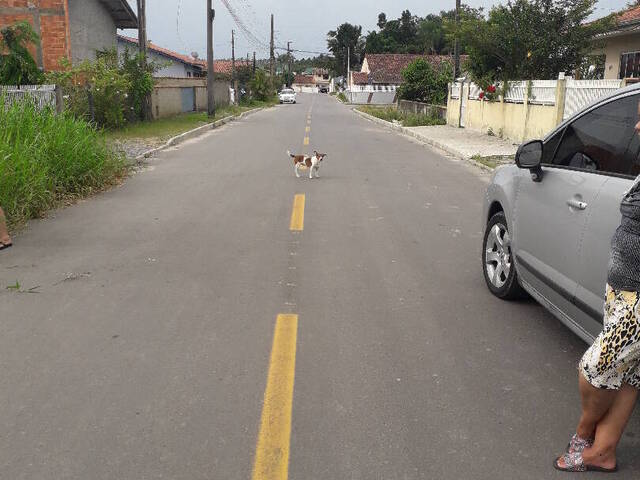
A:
(188, 99)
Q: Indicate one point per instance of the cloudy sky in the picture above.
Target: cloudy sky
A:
(180, 25)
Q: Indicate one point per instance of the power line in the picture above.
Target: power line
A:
(249, 35)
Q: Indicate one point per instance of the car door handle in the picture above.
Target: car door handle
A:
(577, 204)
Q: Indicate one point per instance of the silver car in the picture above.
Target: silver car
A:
(549, 219)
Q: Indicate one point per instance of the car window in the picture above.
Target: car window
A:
(598, 140)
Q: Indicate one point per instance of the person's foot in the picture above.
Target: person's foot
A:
(590, 458)
(5, 243)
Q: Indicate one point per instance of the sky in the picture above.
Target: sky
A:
(180, 25)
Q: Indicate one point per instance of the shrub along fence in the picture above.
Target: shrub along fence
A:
(528, 109)
(418, 108)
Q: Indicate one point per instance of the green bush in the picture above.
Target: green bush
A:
(260, 85)
(108, 91)
(17, 66)
(342, 97)
(424, 83)
(45, 158)
(391, 114)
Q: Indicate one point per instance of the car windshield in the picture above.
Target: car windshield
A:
(286, 91)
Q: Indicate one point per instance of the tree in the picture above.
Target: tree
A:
(17, 66)
(382, 20)
(260, 86)
(529, 39)
(346, 36)
(425, 83)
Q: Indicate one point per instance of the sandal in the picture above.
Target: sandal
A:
(578, 444)
(574, 463)
(5, 245)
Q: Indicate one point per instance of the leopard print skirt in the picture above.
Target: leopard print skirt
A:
(614, 357)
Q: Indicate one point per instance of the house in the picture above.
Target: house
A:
(225, 67)
(73, 29)
(381, 75)
(621, 48)
(311, 80)
(174, 65)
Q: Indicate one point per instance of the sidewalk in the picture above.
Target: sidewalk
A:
(477, 147)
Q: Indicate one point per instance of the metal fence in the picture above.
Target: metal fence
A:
(43, 96)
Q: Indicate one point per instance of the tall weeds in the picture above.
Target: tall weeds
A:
(46, 158)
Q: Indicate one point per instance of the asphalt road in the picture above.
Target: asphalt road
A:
(139, 344)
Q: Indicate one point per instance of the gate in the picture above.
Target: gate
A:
(188, 99)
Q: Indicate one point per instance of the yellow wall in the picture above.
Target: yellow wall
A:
(513, 120)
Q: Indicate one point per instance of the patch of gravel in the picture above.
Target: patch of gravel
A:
(135, 147)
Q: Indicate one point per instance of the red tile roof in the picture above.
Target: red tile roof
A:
(386, 68)
(360, 78)
(304, 80)
(629, 16)
(225, 66)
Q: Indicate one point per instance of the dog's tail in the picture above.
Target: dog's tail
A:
(290, 154)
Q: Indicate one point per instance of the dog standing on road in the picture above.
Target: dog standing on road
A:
(312, 163)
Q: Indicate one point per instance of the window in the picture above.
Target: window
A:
(629, 65)
(599, 140)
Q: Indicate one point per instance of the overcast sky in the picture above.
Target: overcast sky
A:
(180, 25)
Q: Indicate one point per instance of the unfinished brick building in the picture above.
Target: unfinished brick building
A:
(74, 29)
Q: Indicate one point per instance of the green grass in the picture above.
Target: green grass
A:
(492, 161)
(342, 97)
(47, 158)
(391, 114)
(166, 128)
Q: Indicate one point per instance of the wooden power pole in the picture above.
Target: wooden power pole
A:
(456, 47)
(211, 105)
(142, 48)
(254, 62)
(289, 62)
(234, 82)
(271, 54)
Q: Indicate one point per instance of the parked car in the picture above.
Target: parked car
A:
(549, 218)
(287, 95)
(324, 89)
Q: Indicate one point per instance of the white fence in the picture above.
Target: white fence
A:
(42, 95)
(581, 93)
(578, 93)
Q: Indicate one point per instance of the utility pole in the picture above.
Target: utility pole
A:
(142, 48)
(289, 62)
(254, 62)
(456, 47)
(271, 54)
(348, 67)
(211, 105)
(234, 82)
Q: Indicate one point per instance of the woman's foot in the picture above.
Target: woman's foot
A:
(578, 444)
(5, 243)
(587, 460)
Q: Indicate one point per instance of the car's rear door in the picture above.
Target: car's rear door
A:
(616, 125)
(551, 215)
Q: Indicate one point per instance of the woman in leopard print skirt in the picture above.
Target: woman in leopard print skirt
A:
(609, 372)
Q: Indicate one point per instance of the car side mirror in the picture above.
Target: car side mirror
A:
(529, 156)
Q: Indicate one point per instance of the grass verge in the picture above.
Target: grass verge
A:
(47, 159)
(391, 114)
(166, 128)
(492, 161)
(342, 97)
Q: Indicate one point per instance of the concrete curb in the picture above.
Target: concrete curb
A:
(429, 141)
(194, 133)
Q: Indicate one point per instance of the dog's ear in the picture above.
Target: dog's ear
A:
(315, 153)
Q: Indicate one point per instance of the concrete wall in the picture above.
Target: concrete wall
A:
(615, 47)
(371, 98)
(167, 98)
(91, 28)
(515, 121)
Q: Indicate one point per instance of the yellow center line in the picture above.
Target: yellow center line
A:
(306, 141)
(307, 129)
(272, 452)
(297, 214)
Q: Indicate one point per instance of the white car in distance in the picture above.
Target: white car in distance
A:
(287, 95)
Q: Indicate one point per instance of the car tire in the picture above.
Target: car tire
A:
(498, 265)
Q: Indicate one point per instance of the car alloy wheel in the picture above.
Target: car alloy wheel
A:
(497, 260)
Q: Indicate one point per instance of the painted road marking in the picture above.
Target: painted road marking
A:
(272, 452)
(297, 214)
(307, 129)
(306, 141)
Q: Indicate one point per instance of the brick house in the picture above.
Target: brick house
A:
(74, 29)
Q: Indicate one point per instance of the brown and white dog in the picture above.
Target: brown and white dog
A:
(311, 162)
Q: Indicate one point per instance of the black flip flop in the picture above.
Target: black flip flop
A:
(4, 246)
